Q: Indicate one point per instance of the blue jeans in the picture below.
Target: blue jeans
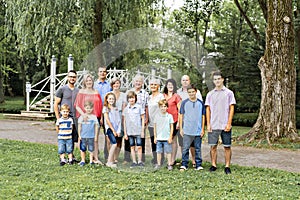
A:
(187, 140)
(65, 146)
(87, 143)
(135, 140)
(111, 136)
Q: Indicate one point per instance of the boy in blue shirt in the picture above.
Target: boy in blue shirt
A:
(191, 127)
(87, 132)
(163, 133)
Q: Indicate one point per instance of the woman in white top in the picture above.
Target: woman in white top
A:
(120, 104)
(153, 110)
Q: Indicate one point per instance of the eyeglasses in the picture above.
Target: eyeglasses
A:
(72, 76)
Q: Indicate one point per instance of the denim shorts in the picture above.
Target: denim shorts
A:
(135, 139)
(87, 143)
(65, 146)
(111, 136)
(163, 146)
(213, 137)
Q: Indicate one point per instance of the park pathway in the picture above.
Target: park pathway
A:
(44, 132)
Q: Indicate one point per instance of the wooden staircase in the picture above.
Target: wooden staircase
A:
(39, 111)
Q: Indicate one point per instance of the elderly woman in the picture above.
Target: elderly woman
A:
(88, 93)
(120, 104)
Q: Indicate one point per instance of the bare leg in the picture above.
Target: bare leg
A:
(111, 154)
(174, 150)
(62, 156)
(227, 156)
(169, 157)
(82, 155)
(96, 151)
(91, 157)
(139, 148)
(213, 155)
(132, 151)
(158, 158)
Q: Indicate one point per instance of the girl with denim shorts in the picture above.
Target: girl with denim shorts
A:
(112, 122)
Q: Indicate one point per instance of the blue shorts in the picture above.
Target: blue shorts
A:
(111, 136)
(163, 146)
(135, 139)
(213, 137)
(87, 143)
(65, 146)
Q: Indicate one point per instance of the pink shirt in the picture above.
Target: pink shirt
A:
(219, 102)
(172, 105)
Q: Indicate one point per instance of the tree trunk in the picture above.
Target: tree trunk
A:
(97, 30)
(1, 87)
(277, 118)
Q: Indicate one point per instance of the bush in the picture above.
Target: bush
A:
(12, 105)
(244, 119)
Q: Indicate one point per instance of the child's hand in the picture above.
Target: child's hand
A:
(142, 134)
(170, 140)
(181, 133)
(79, 138)
(155, 140)
(96, 139)
(126, 137)
(119, 134)
(115, 133)
(202, 133)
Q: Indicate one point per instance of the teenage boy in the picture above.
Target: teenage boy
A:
(219, 112)
(191, 126)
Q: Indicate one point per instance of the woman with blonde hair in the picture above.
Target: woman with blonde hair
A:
(88, 93)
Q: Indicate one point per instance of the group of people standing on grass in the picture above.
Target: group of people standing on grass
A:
(176, 116)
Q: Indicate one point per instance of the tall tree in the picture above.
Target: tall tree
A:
(277, 118)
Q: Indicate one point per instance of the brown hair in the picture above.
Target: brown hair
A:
(106, 97)
(65, 107)
(163, 102)
(131, 94)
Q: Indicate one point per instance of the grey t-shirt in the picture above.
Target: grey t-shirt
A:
(68, 97)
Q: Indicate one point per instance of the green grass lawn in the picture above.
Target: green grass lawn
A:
(31, 171)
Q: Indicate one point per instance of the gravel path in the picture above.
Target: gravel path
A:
(44, 132)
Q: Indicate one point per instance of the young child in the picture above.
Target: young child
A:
(134, 123)
(112, 122)
(163, 133)
(87, 132)
(191, 126)
(64, 132)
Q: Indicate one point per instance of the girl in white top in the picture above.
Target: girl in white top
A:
(121, 102)
(112, 122)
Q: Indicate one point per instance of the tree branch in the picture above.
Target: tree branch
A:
(247, 20)
(263, 6)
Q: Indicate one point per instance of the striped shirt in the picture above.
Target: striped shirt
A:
(64, 128)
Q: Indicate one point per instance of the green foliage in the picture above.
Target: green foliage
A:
(12, 105)
(244, 119)
(39, 176)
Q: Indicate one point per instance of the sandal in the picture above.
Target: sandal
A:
(98, 162)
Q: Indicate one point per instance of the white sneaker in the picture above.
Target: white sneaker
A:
(182, 168)
(199, 168)
(112, 165)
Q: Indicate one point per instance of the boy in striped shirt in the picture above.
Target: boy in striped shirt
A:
(64, 134)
